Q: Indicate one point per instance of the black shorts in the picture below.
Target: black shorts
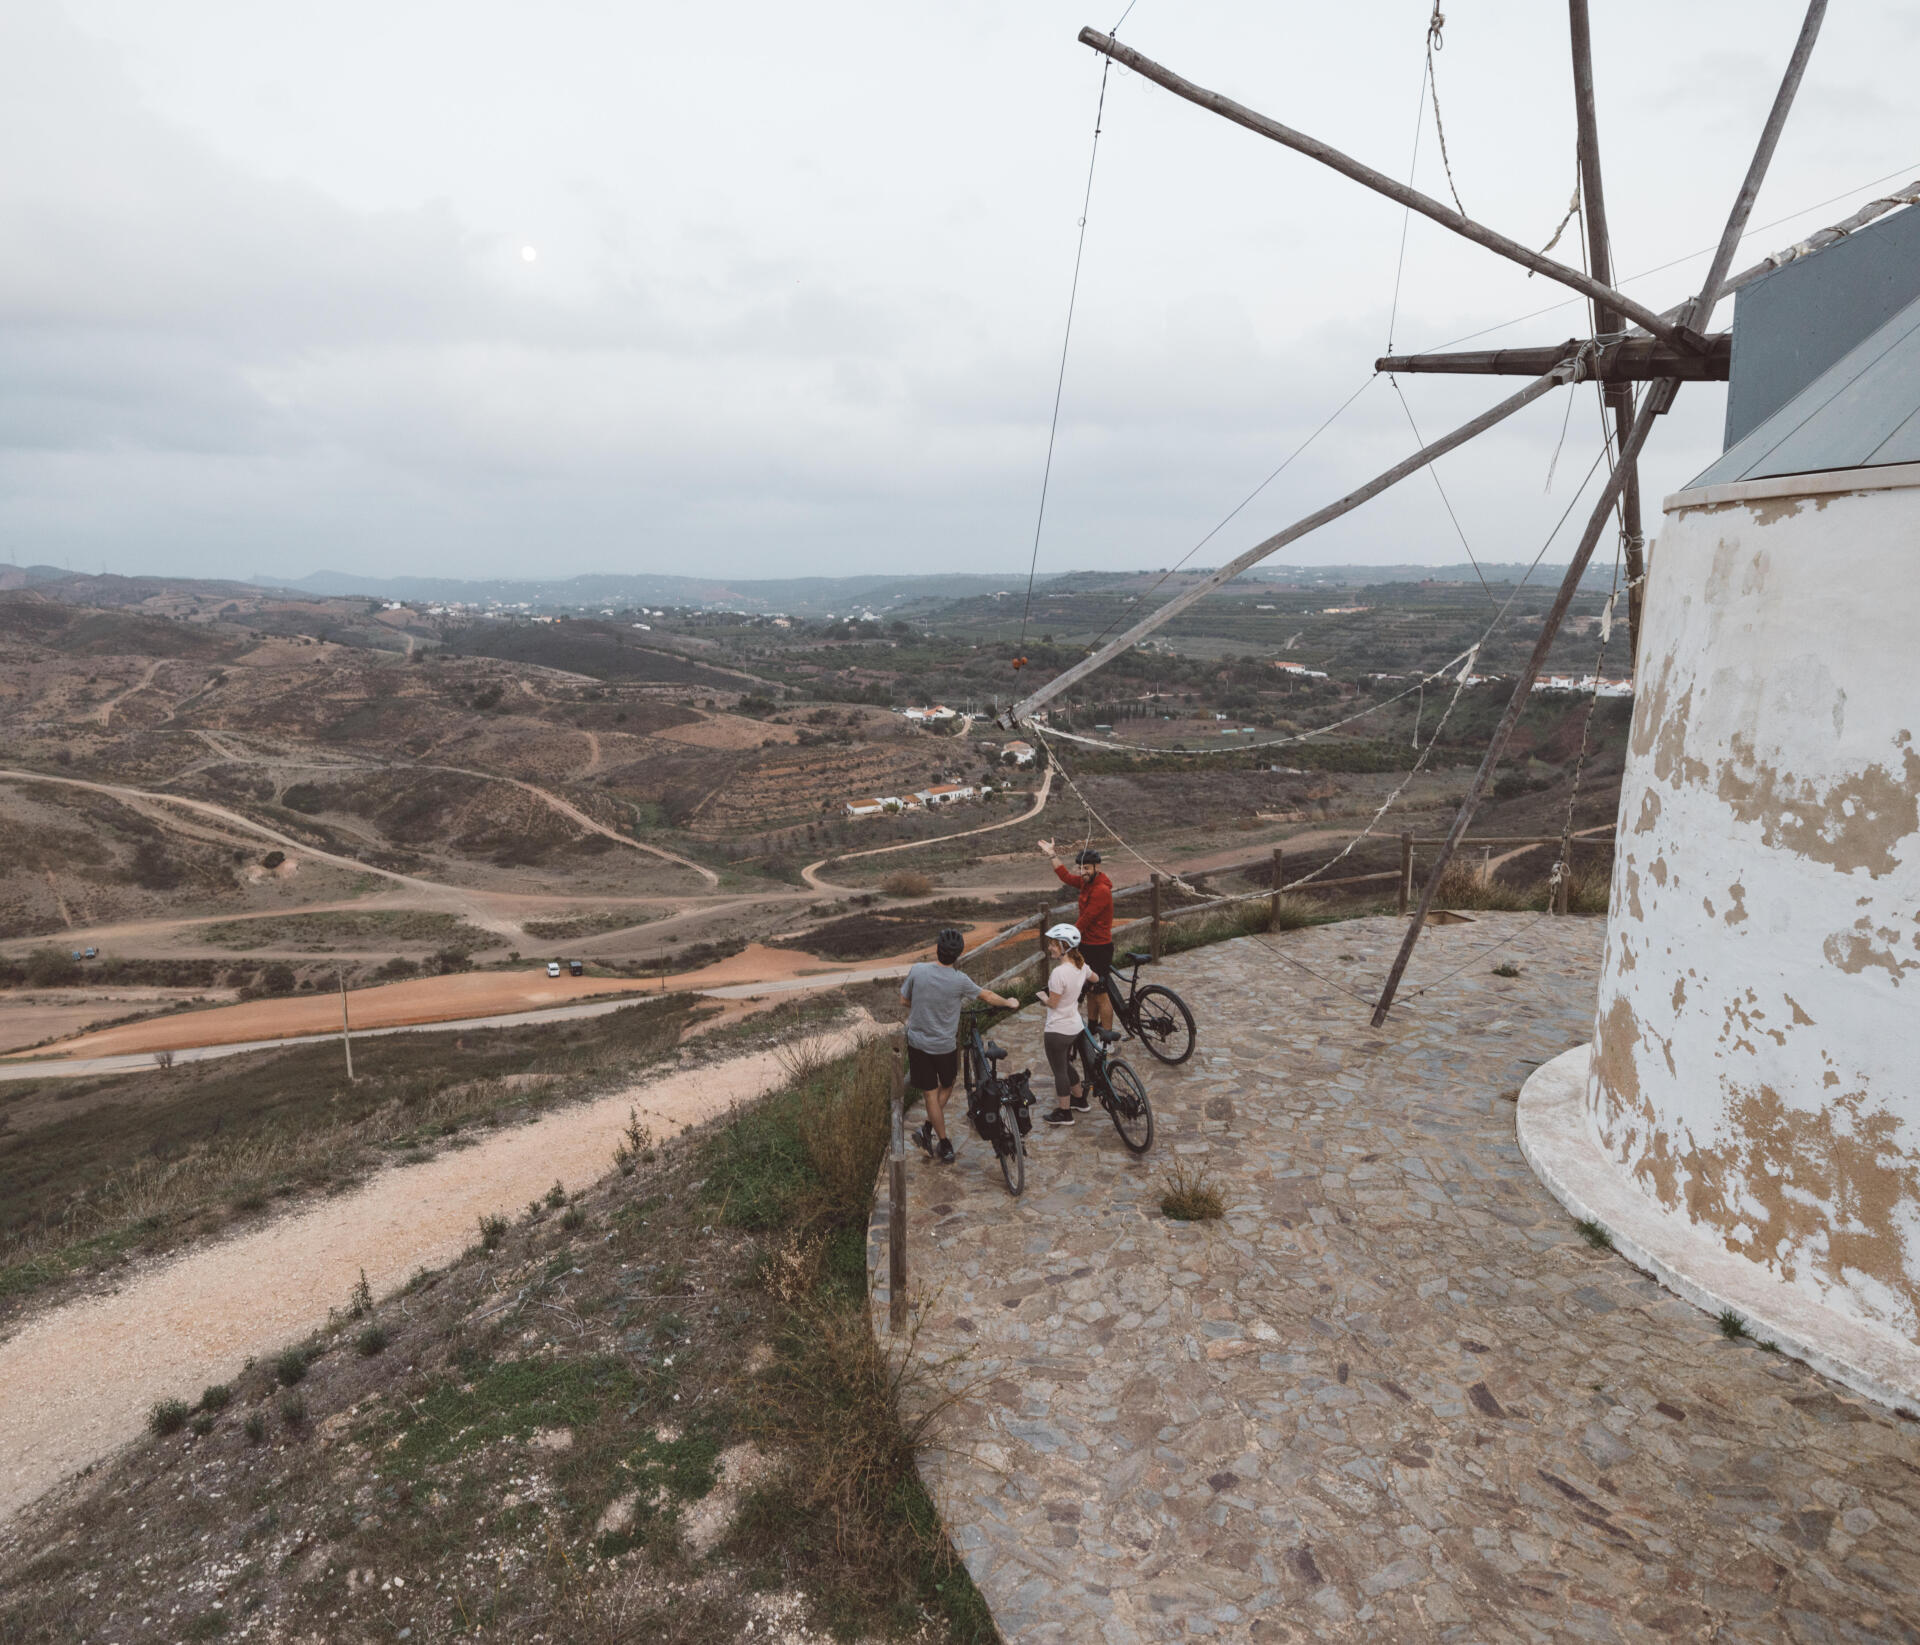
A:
(931, 1070)
(1060, 1060)
(1099, 956)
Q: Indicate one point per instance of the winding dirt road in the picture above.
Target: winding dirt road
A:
(811, 873)
(76, 1382)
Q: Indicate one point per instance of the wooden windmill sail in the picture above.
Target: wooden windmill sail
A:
(1630, 344)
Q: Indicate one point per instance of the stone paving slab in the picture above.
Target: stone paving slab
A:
(1392, 1395)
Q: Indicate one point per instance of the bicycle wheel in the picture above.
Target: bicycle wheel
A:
(1127, 1104)
(1013, 1161)
(1163, 1024)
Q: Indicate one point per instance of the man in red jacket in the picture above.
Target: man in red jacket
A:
(1096, 925)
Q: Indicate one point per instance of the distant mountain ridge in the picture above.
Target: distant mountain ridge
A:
(811, 596)
(799, 596)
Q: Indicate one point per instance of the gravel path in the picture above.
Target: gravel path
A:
(76, 1382)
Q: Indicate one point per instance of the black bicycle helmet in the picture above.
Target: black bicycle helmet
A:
(949, 945)
(1089, 857)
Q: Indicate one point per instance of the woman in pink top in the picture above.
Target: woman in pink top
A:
(1067, 976)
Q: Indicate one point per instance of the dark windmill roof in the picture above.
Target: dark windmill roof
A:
(1863, 411)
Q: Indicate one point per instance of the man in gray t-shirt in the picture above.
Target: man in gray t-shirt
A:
(933, 995)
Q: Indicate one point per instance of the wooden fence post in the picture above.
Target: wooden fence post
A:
(897, 1200)
(1279, 878)
(1154, 943)
(1566, 874)
(1406, 868)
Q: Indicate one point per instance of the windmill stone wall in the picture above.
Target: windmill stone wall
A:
(1756, 1060)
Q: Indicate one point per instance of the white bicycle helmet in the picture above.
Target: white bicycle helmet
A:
(1068, 934)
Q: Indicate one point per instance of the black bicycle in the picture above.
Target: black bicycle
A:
(1156, 1016)
(1117, 1086)
(999, 1107)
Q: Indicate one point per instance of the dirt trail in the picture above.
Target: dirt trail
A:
(76, 1382)
(811, 873)
(1495, 863)
(579, 818)
(104, 713)
(437, 894)
(464, 995)
(59, 901)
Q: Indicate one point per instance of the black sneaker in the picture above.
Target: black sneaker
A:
(945, 1155)
(923, 1135)
(1079, 1105)
(1060, 1116)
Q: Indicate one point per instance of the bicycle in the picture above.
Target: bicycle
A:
(1117, 1086)
(1154, 1015)
(996, 1106)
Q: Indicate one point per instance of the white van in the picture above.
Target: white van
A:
(553, 968)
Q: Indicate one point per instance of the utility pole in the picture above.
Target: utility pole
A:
(346, 1034)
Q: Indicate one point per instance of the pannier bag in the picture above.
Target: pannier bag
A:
(984, 1108)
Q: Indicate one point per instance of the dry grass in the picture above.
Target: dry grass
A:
(1189, 1196)
(1462, 886)
(907, 882)
(712, 1301)
(849, 1125)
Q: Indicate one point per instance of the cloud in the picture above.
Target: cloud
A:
(261, 295)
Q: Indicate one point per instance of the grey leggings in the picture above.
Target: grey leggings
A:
(1060, 1060)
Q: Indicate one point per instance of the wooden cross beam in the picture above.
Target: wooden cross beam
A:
(1623, 360)
(1679, 335)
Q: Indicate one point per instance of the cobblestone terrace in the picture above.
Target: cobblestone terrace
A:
(1392, 1395)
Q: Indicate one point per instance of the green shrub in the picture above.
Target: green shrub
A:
(50, 968)
(372, 1340)
(168, 1416)
(216, 1397)
(290, 1367)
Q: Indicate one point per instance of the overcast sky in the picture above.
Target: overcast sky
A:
(490, 289)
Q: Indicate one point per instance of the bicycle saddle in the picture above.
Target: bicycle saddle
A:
(1138, 958)
(1109, 1035)
(994, 1052)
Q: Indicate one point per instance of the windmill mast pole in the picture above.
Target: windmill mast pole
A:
(1605, 319)
(1659, 398)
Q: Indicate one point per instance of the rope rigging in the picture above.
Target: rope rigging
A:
(1048, 737)
(1435, 43)
(1399, 272)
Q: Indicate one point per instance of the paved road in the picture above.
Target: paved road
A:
(1391, 1395)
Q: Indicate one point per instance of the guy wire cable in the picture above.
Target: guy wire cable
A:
(1073, 298)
